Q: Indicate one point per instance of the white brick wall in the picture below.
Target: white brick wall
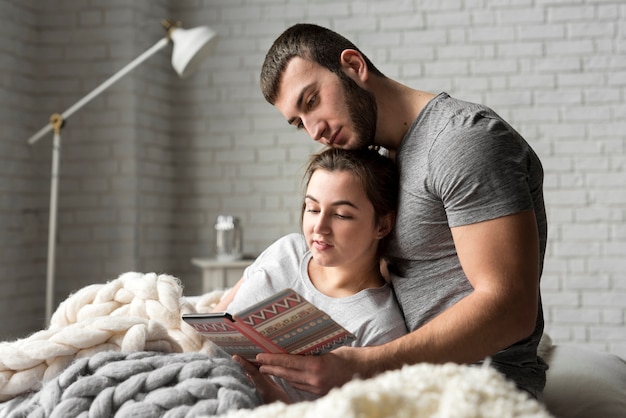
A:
(20, 220)
(152, 163)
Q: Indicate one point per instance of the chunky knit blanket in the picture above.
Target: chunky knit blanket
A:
(143, 384)
(99, 326)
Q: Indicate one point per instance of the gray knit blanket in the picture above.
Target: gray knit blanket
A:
(140, 384)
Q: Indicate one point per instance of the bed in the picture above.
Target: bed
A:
(121, 349)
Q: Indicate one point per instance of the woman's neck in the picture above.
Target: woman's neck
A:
(340, 282)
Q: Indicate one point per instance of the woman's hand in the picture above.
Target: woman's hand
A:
(269, 390)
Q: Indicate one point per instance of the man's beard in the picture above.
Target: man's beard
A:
(361, 104)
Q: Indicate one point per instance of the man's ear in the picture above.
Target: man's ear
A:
(354, 65)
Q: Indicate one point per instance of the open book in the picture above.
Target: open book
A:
(282, 323)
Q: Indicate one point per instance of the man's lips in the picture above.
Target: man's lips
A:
(333, 138)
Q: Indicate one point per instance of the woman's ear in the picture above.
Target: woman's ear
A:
(385, 225)
(354, 65)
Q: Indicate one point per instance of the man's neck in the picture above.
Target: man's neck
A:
(398, 106)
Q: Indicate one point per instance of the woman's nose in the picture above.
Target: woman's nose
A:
(321, 225)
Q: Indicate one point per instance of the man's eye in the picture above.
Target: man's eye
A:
(300, 125)
(311, 102)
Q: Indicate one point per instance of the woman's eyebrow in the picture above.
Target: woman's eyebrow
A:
(336, 203)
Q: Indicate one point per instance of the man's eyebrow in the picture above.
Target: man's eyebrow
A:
(299, 101)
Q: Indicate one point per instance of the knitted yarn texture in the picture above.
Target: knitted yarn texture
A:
(135, 312)
(420, 390)
(144, 384)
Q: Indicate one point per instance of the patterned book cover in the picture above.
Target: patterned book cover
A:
(284, 322)
(220, 329)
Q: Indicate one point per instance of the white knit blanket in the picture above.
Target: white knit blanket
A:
(135, 312)
(422, 390)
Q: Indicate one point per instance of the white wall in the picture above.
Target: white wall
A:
(556, 69)
(20, 221)
(116, 175)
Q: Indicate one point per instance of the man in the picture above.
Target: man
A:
(471, 231)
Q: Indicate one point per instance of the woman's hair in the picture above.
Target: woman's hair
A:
(377, 174)
(310, 42)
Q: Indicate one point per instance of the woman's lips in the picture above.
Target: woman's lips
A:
(321, 245)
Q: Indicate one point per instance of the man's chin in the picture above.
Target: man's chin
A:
(354, 144)
(347, 145)
(363, 144)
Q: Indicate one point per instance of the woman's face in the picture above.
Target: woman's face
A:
(338, 220)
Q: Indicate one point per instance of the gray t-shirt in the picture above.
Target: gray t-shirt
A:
(372, 315)
(460, 164)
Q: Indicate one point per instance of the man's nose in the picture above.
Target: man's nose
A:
(315, 128)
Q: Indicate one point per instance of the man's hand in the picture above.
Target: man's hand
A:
(317, 374)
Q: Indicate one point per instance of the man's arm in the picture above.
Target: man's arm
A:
(500, 258)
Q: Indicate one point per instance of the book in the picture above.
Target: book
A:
(283, 323)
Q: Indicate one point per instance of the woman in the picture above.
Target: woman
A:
(347, 215)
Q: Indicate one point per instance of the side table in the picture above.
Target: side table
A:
(215, 272)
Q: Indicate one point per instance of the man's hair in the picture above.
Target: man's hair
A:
(377, 174)
(310, 42)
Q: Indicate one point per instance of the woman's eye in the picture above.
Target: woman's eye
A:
(340, 216)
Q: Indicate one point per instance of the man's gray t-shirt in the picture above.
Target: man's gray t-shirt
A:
(460, 164)
(372, 315)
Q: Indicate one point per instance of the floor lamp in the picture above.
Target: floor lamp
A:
(190, 48)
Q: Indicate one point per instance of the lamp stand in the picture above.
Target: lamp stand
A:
(190, 46)
(57, 122)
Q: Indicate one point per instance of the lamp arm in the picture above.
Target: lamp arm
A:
(105, 85)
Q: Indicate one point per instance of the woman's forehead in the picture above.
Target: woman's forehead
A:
(336, 182)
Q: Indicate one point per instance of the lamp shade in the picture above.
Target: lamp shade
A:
(191, 47)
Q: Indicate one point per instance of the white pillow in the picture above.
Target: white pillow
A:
(583, 383)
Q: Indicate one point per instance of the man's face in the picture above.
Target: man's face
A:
(334, 111)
